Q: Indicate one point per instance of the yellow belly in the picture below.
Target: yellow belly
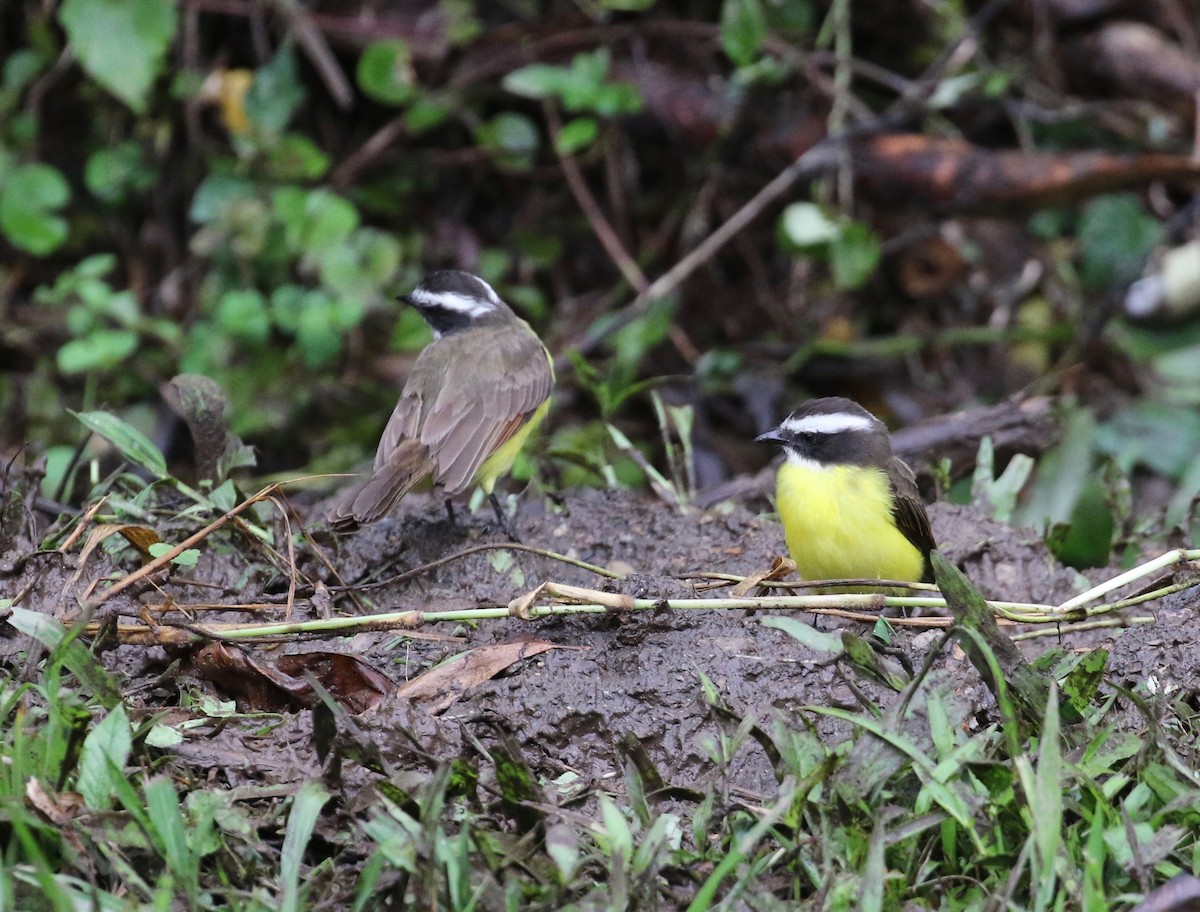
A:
(498, 464)
(838, 524)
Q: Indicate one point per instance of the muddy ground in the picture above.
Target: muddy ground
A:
(619, 686)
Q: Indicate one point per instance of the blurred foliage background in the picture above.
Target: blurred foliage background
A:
(240, 188)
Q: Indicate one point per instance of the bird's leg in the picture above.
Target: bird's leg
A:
(450, 512)
(505, 526)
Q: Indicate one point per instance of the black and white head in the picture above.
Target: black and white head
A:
(830, 432)
(452, 299)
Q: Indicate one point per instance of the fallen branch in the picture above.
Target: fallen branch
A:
(551, 599)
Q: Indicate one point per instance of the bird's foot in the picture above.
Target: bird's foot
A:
(502, 520)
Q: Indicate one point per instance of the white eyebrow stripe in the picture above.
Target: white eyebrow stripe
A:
(834, 423)
(492, 296)
(455, 303)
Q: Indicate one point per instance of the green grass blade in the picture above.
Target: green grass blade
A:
(105, 752)
(65, 647)
(1047, 807)
(166, 814)
(741, 850)
(306, 808)
(132, 443)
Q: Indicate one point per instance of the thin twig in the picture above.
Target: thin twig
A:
(601, 227)
(1060, 629)
(1178, 556)
(475, 549)
(165, 558)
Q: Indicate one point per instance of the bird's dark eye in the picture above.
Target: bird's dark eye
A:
(808, 437)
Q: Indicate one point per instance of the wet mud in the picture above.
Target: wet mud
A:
(659, 688)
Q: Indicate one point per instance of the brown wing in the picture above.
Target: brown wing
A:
(486, 397)
(909, 511)
(406, 465)
(468, 393)
(401, 460)
(405, 421)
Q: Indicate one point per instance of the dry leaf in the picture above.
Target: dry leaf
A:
(780, 568)
(283, 686)
(450, 680)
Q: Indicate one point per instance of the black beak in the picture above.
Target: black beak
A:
(771, 436)
(407, 299)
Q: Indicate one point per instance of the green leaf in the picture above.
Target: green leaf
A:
(615, 828)
(314, 220)
(20, 70)
(582, 86)
(288, 302)
(186, 558)
(743, 28)
(215, 194)
(1000, 494)
(110, 174)
(74, 655)
(562, 845)
(411, 332)
(576, 135)
(1163, 438)
(863, 657)
(318, 339)
(1179, 371)
(121, 43)
(296, 157)
(359, 268)
(1082, 682)
(129, 441)
(163, 736)
(100, 350)
(385, 72)
(511, 138)
(1061, 475)
(538, 80)
(1046, 801)
(807, 635)
(1085, 540)
(805, 226)
(29, 199)
(275, 94)
(105, 752)
(1115, 235)
(162, 806)
(854, 256)
(610, 99)
(306, 808)
(243, 314)
(425, 113)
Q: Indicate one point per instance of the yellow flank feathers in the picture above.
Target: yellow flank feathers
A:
(838, 524)
(498, 464)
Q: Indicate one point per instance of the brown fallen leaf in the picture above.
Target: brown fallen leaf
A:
(1179, 894)
(141, 537)
(912, 170)
(779, 568)
(60, 808)
(442, 685)
(283, 686)
(355, 684)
